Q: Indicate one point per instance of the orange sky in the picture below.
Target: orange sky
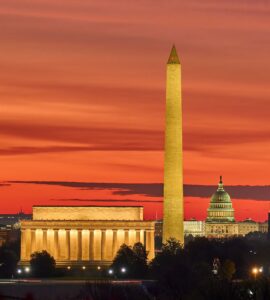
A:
(82, 96)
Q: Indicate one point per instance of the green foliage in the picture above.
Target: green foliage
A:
(228, 269)
(172, 270)
(172, 246)
(42, 264)
(9, 257)
(187, 273)
(134, 260)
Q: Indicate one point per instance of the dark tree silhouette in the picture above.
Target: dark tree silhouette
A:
(228, 269)
(42, 264)
(132, 260)
(172, 270)
(8, 262)
(172, 246)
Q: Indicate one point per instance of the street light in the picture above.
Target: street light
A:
(255, 272)
(110, 271)
(27, 269)
(123, 270)
(19, 271)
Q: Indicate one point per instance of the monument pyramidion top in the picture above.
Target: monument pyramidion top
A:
(173, 58)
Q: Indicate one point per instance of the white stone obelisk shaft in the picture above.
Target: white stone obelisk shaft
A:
(173, 164)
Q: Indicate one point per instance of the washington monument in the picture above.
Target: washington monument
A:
(173, 166)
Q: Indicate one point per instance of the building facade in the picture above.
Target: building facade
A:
(86, 235)
(247, 226)
(220, 220)
(263, 227)
(194, 227)
(13, 220)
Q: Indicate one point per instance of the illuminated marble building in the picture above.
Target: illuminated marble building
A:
(173, 205)
(220, 220)
(194, 227)
(84, 235)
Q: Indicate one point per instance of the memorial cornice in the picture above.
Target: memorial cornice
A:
(101, 225)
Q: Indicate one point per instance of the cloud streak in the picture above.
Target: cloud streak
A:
(108, 201)
(156, 189)
(121, 139)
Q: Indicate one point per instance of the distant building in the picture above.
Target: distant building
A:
(220, 220)
(9, 223)
(13, 219)
(158, 228)
(4, 236)
(263, 227)
(247, 226)
(194, 227)
(8, 234)
(191, 227)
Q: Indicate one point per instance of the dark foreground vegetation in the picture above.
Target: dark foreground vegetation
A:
(236, 268)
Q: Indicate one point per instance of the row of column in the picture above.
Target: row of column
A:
(77, 244)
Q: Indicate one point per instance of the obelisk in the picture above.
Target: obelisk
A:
(173, 223)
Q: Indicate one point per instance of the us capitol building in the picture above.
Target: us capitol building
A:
(220, 221)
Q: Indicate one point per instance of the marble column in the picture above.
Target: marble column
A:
(150, 244)
(85, 244)
(23, 244)
(56, 244)
(127, 237)
(44, 237)
(114, 243)
(33, 241)
(138, 235)
(103, 244)
(152, 237)
(142, 237)
(91, 245)
(79, 253)
(68, 244)
(147, 241)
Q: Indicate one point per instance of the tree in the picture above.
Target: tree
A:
(9, 257)
(8, 262)
(202, 250)
(172, 246)
(228, 269)
(172, 270)
(42, 264)
(141, 260)
(132, 260)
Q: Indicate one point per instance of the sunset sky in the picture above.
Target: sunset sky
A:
(82, 102)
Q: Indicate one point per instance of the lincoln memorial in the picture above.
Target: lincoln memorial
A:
(84, 235)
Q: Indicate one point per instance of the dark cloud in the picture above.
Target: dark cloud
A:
(4, 184)
(108, 201)
(35, 150)
(121, 139)
(94, 138)
(156, 189)
(203, 140)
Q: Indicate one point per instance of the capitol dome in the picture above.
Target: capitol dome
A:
(220, 209)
